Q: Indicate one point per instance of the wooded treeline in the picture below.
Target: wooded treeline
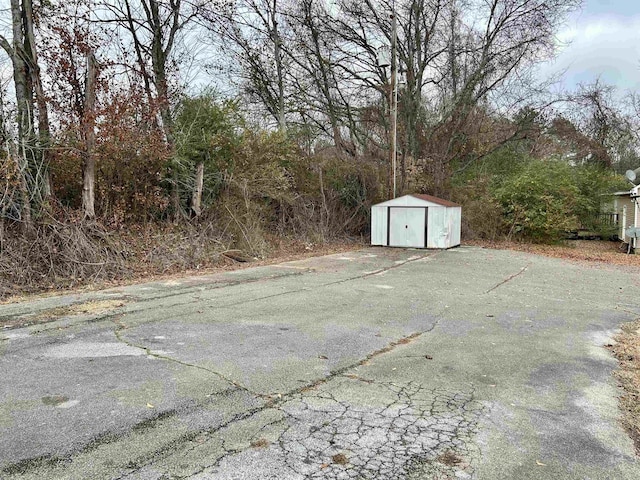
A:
(221, 123)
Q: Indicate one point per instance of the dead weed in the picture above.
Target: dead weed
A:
(340, 459)
(260, 443)
(94, 307)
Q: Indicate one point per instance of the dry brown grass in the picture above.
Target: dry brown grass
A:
(284, 251)
(93, 307)
(627, 350)
(65, 256)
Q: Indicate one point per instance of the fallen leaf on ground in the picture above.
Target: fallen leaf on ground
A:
(540, 464)
(260, 443)
(340, 459)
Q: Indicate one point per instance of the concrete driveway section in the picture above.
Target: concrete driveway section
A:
(375, 364)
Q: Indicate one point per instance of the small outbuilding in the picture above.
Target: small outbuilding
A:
(625, 210)
(418, 221)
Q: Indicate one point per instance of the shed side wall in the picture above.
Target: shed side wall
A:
(455, 224)
(379, 222)
(436, 227)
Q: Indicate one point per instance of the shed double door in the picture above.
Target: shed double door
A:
(407, 227)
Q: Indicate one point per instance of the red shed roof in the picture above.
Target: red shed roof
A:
(439, 201)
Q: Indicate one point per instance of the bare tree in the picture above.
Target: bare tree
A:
(44, 130)
(20, 167)
(453, 63)
(33, 139)
(598, 126)
(316, 61)
(154, 28)
(254, 34)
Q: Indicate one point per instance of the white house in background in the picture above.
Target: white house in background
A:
(418, 221)
(626, 205)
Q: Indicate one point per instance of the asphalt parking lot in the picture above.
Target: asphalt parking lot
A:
(373, 364)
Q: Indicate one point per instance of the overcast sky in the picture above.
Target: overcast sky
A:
(604, 41)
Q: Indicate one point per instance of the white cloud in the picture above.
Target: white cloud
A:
(601, 45)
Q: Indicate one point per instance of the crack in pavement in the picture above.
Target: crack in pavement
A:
(272, 401)
(509, 278)
(341, 434)
(306, 289)
(193, 289)
(137, 300)
(120, 327)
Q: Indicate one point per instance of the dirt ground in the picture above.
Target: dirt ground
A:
(627, 350)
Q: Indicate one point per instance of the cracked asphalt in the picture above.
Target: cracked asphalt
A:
(374, 364)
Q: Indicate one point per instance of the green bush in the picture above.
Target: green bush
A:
(548, 198)
(541, 202)
(207, 131)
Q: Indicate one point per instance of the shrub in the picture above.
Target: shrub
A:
(541, 201)
(482, 216)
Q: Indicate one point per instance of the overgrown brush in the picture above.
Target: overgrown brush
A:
(57, 253)
(161, 248)
(329, 203)
(68, 253)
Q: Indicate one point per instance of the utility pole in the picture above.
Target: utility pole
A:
(393, 98)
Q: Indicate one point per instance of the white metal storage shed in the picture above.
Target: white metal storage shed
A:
(419, 221)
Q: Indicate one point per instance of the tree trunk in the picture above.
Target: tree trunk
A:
(44, 131)
(89, 170)
(277, 53)
(23, 113)
(23, 185)
(20, 166)
(196, 198)
(322, 80)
